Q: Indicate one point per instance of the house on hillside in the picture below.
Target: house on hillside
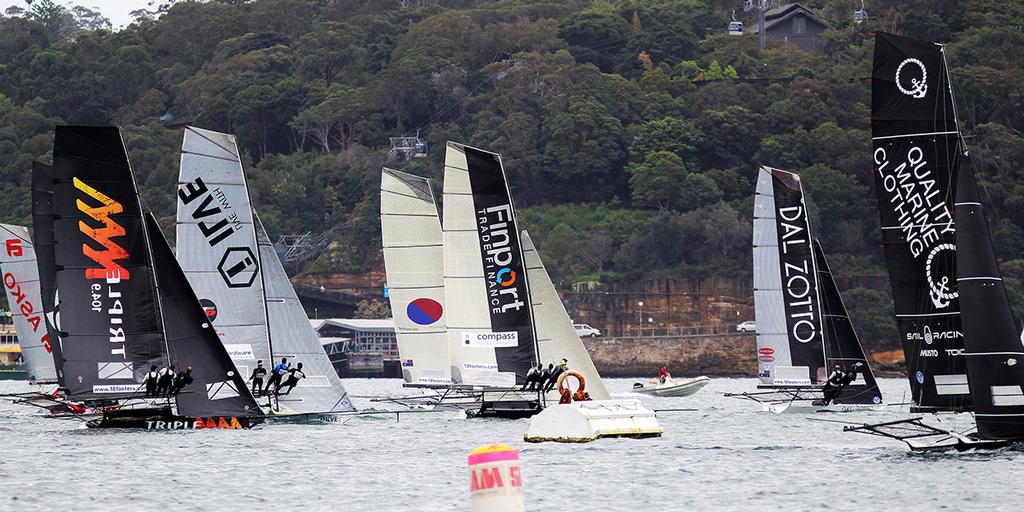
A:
(796, 24)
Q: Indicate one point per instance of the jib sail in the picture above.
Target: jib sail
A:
(413, 258)
(109, 319)
(21, 280)
(917, 152)
(556, 337)
(192, 341)
(790, 345)
(995, 356)
(490, 325)
(842, 346)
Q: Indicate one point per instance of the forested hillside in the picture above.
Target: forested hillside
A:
(631, 129)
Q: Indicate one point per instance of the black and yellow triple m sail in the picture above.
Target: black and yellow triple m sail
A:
(917, 152)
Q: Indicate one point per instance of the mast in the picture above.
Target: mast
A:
(491, 333)
(414, 261)
(791, 346)
(917, 152)
(842, 344)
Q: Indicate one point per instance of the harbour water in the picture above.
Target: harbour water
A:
(728, 455)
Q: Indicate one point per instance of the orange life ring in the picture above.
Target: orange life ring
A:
(563, 390)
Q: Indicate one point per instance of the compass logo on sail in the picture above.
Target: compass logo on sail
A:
(916, 77)
(940, 292)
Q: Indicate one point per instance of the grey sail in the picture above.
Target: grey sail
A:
(293, 337)
(414, 261)
(216, 244)
(21, 281)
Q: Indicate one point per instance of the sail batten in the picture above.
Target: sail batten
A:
(916, 154)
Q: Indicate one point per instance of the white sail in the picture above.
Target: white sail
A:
(556, 337)
(216, 244)
(413, 259)
(769, 303)
(489, 328)
(292, 336)
(21, 280)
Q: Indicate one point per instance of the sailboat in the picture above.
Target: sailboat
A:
(125, 303)
(917, 152)
(473, 296)
(230, 262)
(992, 350)
(803, 329)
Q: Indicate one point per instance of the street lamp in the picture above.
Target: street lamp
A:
(640, 326)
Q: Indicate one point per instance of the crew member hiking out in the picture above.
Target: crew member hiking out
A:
(563, 366)
(294, 376)
(257, 377)
(833, 385)
(151, 381)
(165, 381)
(533, 377)
(276, 375)
(183, 379)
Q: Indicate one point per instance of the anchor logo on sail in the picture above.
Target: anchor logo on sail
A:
(939, 291)
(918, 87)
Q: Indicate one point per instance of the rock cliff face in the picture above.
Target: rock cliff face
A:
(685, 356)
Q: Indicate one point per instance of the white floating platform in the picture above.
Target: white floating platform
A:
(582, 422)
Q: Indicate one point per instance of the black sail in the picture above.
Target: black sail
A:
(995, 356)
(502, 253)
(217, 388)
(916, 156)
(109, 322)
(45, 246)
(841, 343)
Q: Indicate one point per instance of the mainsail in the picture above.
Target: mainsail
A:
(490, 327)
(110, 323)
(556, 337)
(842, 346)
(917, 153)
(45, 249)
(995, 356)
(790, 345)
(216, 244)
(414, 260)
(293, 337)
(192, 341)
(21, 280)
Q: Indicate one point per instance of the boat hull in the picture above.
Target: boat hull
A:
(506, 409)
(674, 388)
(164, 419)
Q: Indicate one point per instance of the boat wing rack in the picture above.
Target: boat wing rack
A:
(909, 428)
(922, 437)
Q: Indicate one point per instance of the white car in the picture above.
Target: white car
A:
(586, 331)
(747, 326)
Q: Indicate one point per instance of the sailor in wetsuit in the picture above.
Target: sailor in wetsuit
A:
(294, 376)
(151, 381)
(257, 376)
(165, 381)
(563, 366)
(276, 375)
(533, 377)
(183, 379)
(833, 385)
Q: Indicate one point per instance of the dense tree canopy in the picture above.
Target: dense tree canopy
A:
(631, 129)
